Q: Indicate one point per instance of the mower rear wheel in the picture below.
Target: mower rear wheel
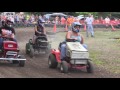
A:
(31, 51)
(27, 48)
(22, 62)
(52, 62)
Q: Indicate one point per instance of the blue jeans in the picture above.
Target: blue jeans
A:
(14, 40)
(63, 50)
(89, 29)
(1, 43)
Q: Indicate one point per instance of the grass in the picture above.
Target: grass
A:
(94, 56)
(104, 50)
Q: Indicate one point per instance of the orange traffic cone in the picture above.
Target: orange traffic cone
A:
(84, 27)
(54, 28)
(113, 29)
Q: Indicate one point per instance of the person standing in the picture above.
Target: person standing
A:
(89, 23)
(57, 20)
(69, 22)
(107, 21)
(63, 20)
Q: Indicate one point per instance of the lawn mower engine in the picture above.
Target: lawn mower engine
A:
(41, 42)
(10, 49)
(77, 53)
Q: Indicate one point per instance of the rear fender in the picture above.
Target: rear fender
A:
(57, 54)
(10, 45)
(30, 41)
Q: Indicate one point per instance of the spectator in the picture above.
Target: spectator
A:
(107, 21)
(63, 20)
(56, 19)
(69, 22)
(89, 24)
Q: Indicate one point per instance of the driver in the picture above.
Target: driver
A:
(6, 31)
(39, 29)
(73, 34)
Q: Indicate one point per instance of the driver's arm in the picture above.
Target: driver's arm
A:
(82, 39)
(0, 32)
(7, 36)
(36, 30)
(68, 35)
(13, 35)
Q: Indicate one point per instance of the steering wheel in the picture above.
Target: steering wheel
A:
(71, 40)
(7, 38)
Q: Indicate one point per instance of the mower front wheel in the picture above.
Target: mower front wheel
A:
(64, 67)
(15, 61)
(22, 63)
(89, 67)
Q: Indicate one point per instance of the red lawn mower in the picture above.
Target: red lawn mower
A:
(10, 52)
(76, 57)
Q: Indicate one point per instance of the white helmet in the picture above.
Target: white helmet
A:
(76, 24)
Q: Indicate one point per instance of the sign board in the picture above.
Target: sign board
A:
(75, 46)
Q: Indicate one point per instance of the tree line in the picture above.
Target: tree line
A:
(96, 14)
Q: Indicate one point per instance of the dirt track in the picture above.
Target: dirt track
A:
(38, 66)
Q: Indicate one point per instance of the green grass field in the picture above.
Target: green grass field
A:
(103, 49)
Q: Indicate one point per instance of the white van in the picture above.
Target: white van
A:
(8, 14)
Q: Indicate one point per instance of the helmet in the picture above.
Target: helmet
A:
(6, 22)
(9, 23)
(74, 25)
(40, 21)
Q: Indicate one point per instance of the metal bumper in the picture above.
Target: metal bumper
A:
(11, 59)
(79, 61)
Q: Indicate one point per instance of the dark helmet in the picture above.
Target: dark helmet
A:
(9, 21)
(74, 25)
(41, 21)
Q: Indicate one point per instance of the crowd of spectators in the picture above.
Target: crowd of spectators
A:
(29, 20)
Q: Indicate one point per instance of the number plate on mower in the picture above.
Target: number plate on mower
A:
(10, 45)
(78, 61)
